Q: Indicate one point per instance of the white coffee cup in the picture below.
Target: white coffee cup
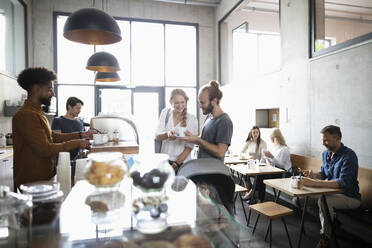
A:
(181, 131)
(98, 138)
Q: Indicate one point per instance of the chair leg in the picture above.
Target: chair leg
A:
(286, 230)
(267, 230)
(255, 224)
(271, 232)
(245, 214)
(249, 217)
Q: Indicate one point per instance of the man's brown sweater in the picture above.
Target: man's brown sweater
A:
(36, 146)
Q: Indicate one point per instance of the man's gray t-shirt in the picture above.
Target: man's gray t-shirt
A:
(216, 130)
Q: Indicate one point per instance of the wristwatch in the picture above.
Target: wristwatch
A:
(80, 135)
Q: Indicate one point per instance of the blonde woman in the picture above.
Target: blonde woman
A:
(172, 124)
(279, 154)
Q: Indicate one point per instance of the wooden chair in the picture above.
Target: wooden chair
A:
(271, 210)
(238, 191)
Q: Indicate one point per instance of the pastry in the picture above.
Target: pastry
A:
(157, 244)
(97, 206)
(104, 174)
(191, 241)
(119, 244)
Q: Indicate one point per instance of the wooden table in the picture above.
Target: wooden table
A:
(283, 185)
(235, 159)
(124, 147)
(6, 152)
(245, 170)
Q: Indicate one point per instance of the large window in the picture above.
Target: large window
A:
(339, 23)
(13, 53)
(154, 57)
(249, 41)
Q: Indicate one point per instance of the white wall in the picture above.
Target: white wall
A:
(9, 90)
(335, 89)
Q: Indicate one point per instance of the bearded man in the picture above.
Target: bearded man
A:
(35, 144)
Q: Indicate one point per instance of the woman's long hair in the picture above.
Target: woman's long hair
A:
(184, 112)
(250, 137)
(276, 133)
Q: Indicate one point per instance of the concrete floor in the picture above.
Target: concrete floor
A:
(279, 238)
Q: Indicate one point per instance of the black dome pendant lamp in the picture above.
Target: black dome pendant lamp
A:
(92, 26)
(107, 77)
(103, 62)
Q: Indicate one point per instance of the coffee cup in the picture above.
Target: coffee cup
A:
(181, 131)
(98, 138)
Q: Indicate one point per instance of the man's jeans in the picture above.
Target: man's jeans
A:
(336, 201)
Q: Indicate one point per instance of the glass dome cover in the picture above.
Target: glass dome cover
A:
(105, 169)
(151, 172)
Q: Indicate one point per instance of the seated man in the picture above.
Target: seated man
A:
(339, 170)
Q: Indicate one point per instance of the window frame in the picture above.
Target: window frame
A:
(334, 48)
(140, 88)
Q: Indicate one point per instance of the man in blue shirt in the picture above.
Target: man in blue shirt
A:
(339, 170)
(69, 123)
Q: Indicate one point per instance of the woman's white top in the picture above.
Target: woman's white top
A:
(250, 148)
(282, 157)
(175, 147)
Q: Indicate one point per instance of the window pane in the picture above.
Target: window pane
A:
(245, 61)
(71, 68)
(115, 101)
(85, 93)
(146, 116)
(121, 51)
(269, 52)
(180, 55)
(147, 53)
(190, 92)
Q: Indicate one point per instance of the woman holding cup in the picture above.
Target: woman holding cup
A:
(252, 149)
(278, 156)
(173, 122)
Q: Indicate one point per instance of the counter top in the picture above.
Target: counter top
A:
(125, 147)
(6, 152)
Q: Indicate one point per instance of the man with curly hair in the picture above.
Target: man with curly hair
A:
(35, 144)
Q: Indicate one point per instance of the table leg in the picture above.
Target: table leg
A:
(302, 222)
(253, 199)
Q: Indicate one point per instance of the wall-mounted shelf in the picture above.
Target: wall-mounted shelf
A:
(10, 110)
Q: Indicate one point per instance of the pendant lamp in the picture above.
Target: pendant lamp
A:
(92, 26)
(107, 77)
(103, 62)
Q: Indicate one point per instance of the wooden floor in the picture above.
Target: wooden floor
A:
(280, 240)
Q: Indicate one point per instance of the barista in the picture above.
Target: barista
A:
(35, 144)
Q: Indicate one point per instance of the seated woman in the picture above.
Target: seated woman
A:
(254, 146)
(172, 123)
(278, 156)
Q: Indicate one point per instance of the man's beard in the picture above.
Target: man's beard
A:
(208, 110)
(45, 101)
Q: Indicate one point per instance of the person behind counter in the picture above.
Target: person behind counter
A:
(35, 144)
(70, 123)
(254, 146)
(179, 120)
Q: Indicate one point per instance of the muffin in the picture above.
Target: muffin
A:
(191, 241)
(119, 244)
(157, 244)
